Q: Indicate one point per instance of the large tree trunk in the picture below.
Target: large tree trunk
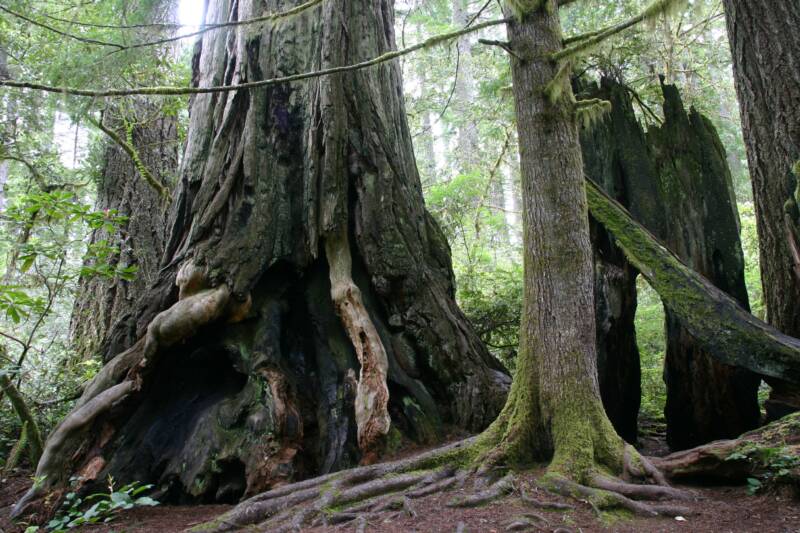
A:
(103, 303)
(765, 46)
(706, 400)
(296, 203)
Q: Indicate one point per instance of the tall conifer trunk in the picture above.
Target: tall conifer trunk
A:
(554, 408)
(765, 46)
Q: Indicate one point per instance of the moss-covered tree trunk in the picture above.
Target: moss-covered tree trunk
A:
(554, 408)
(765, 46)
(675, 182)
(706, 400)
(104, 304)
(306, 295)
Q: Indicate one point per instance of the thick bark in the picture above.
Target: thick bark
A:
(676, 183)
(103, 303)
(706, 400)
(248, 379)
(765, 48)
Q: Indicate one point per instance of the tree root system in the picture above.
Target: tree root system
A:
(373, 494)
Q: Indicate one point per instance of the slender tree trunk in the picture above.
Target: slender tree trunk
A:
(467, 155)
(554, 407)
(102, 302)
(765, 46)
(297, 203)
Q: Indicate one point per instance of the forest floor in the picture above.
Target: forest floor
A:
(717, 509)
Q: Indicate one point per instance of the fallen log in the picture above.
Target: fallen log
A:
(728, 332)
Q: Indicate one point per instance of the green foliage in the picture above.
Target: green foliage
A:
(104, 507)
(650, 339)
(773, 464)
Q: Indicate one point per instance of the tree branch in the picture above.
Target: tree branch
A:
(234, 23)
(582, 43)
(173, 91)
(129, 149)
(86, 40)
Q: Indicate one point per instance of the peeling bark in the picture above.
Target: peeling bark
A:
(372, 393)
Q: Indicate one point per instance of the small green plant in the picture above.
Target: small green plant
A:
(774, 465)
(104, 508)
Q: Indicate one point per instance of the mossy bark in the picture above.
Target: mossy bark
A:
(616, 156)
(554, 409)
(245, 376)
(706, 399)
(675, 181)
(713, 317)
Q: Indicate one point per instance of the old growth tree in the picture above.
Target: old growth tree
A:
(765, 48)
(299, 203)
(314, 295)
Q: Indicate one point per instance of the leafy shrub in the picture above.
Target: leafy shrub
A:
(104, 509)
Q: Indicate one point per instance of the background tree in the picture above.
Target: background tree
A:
(766, 67)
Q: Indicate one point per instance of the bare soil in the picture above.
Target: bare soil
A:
(719, 509)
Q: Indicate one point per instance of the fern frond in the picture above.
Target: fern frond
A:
(590, 112)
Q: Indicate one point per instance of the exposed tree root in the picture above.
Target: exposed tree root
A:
(385, 491)
(497, 490)
(197, 306)
(372, 393)
(602, 499)
(346, 495)
(540, 504)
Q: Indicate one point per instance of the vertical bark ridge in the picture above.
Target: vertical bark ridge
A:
(765, 47)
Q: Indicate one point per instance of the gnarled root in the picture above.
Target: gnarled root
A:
(495, 491)
(372, 392)
(601, 499)
(122, 376)
(345, 496)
